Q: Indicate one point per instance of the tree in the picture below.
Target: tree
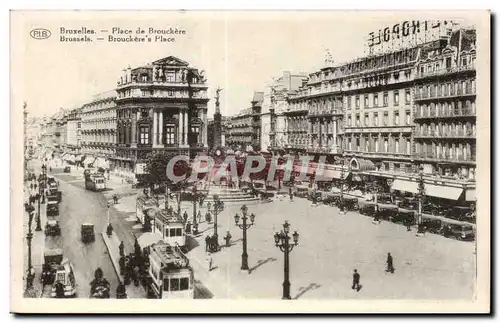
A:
(156, 173)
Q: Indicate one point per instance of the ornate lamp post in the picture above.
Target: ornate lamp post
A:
(197, 196)
(244, 226)
(421, 196)
(218, 208)
(38, 220)
(282, 241)
(342, 179)
(30, 274)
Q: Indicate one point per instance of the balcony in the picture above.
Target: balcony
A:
(446, 115)
(325, 112)
(446, 71)
(162, 83)
(161, 95)
(444, 135)
(446, 158)
(451, 94)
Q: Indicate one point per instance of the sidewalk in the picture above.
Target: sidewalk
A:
(112, 244)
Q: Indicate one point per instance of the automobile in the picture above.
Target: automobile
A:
(367, 207)
(331, 199)
(461, 213)
(52, 208)
(386, 211)
(315, 195)
(408, 203)
(463, 232)
(434, 209)
(384, 198)
(87, 232)
(404, 215)
(52, 228)
(67, 169)
(433, 225)
(348, 203)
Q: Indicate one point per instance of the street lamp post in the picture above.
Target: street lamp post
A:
(282, 241)
(218, 207)
(342, 179)
(38, 220)
(44, 182)
(244, 226)
(421, 196)
(30, 276)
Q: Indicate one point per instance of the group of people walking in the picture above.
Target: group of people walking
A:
(356, 277)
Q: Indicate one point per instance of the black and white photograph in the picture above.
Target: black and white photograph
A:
(271, 161)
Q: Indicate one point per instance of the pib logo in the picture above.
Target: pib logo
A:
(40, 33)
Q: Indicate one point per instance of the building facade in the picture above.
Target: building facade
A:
(160, 107)
(211, 132)
(98, 125)
(445, 108)
(240, 130)
(73, 132)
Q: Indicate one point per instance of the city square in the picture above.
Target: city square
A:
(377, 201)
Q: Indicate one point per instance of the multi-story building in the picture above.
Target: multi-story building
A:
(160, 107)
(211, 133)
(244, 129)
(73, 132)
(240, 130)
(445, 107)
(98, 125)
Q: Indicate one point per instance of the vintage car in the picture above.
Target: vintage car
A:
(432, 225)
(87, 232)
(302, 191)
(384, 198)
(434, 209)
(461, 213)
(367, 207)
(52, 228)
(59, 273)
(348, 203)
(404, 216)
(315, 196)
(67, 169)
(459, 231)
(52, 208)
(386, 211)
(408, 203)
(331, 199)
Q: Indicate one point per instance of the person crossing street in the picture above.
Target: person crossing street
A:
(390, 267)
(355, 280)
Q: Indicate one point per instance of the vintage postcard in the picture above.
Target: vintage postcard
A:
(250, 162)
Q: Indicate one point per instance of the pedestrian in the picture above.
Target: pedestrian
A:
(408, 224)
(207, 242)
(185, 216)
(209, 261)
(355, 280)
(390, 267)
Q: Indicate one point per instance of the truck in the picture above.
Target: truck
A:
(58, 273)
(94, 182)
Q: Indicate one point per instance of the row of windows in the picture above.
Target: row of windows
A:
(447, 64)
(372, 100)
(175, 284)
(447, 89)
(464, 151)
(395, 145)
(454, 108)
(396, 120)
(169, 232)
(443, 129)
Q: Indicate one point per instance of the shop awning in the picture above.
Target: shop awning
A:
(405, 186)
(444, 192)
(470, 194)
(101, 162)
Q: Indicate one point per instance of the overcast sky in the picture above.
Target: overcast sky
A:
(240, 52)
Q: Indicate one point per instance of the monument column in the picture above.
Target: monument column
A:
(133, 144)
(155, 128)
(205, 129)
(179, 129)
(186, 129)
(160, 132)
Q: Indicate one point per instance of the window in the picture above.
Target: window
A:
(386, 99)
(376, 145)
(375, 119)
(144, 135)
(357, 144)
(422, 70)
(349, 121)
(386, 145)
(170, 93)
(386, 118)
(408, 146)
(408, 117)
(178, 232)
(358, 121)
(349, 102)
(357, 101)
(170, 77)
(396, 145)
(386, 166)
(184, 283)
(375, 100)
(448, 62)
(396, 97)
(407, 96)
(366, 101)
(396, 118)
(174, 284)
(79, 125)
(170, 134)
(350, 144)
(367, 119)
(464, 61)
(165, 285)
(172, 233)
(397, 167)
